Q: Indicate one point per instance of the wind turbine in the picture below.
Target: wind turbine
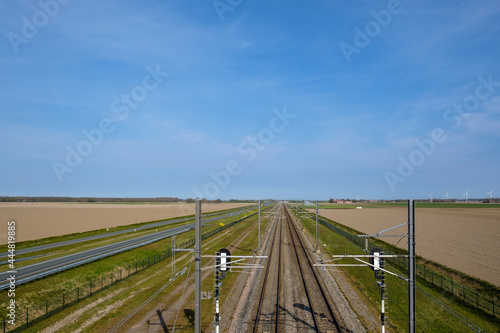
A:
(446, 196)
(430, 197)
(491, 196)
(466, 196)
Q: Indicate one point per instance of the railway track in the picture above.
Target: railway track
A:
(292, 298)
(266, 318)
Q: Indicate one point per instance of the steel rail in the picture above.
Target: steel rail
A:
(264, 286)
(279, 279)
(334, 318)
(308, 296)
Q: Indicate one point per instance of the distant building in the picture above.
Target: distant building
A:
(343, 201)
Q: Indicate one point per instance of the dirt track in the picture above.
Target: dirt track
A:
(40, 220)
(465, 239)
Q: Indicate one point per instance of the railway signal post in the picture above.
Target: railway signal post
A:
(376, 261)
(378, 266)
(223, 262)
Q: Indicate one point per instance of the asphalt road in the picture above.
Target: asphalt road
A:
(48, 267)
(22, 274)
(147, 226)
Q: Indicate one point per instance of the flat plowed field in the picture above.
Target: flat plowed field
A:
(465, 239)
(40, 220)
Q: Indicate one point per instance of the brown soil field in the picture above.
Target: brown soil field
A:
(41, 220)
(465, 239)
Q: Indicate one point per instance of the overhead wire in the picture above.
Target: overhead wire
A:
(432, 298)
(449, 310)
(124, 320)
(182, 296)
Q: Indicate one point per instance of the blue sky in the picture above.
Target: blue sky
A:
(250, 99)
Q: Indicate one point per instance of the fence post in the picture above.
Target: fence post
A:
(477, 300)
(441, 282)
(78, 294)
(90, 292)
(432, 275)
(463, 288)
(129, 270)
(63, 301)
(46, 309)
(102, 277)
(452, 293)
(493, 302)
(27, 319)
(121, 273)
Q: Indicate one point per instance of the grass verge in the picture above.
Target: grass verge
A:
(430, 315)
(37, 295)
(403, 204)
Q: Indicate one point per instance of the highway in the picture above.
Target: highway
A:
(146, 226)
(51, 266)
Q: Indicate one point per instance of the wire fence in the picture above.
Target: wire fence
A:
(451, 288)
(26, 316)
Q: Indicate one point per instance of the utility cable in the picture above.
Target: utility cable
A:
(450, 310)
(182, 296)
(393, 302)
(142, 305)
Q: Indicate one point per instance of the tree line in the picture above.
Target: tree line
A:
(100, 199)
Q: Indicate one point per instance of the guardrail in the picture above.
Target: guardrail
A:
(43, 310)
(110, 253)
(149, 225)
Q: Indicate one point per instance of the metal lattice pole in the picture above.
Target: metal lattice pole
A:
(197, 258)
(316, 224)
(302, 216)
(259, 227)
(412, 265)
